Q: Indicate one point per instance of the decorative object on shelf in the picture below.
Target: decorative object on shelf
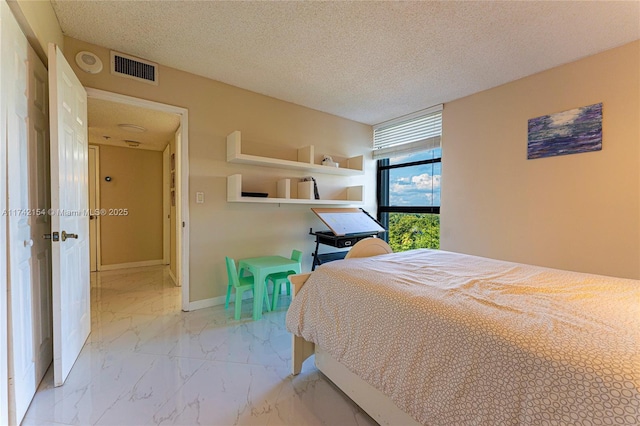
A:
(352, 166)
(307, 191)
(354, 194)
(569, 132)
(315, 187)
(328, 161)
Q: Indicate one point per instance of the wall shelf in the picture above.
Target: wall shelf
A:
(354, 194)
(351, 167)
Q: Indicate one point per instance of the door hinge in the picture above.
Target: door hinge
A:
(183, 225)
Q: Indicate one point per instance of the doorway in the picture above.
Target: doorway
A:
(178, 178)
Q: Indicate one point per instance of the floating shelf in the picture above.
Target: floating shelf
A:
(234, 191)
(351, 167)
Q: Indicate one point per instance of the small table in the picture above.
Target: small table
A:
(261, 267)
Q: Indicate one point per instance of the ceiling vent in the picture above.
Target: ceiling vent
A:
(135, 68)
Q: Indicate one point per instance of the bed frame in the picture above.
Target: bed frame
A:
(371, 400)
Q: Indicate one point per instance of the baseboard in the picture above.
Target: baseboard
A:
(215, 301)
(130, 265)
(173, 277)
(206, 303)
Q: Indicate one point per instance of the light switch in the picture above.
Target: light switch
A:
(199, 197)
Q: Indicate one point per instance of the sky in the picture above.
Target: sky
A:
(416, 185)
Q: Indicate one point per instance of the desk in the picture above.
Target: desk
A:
(261, 267)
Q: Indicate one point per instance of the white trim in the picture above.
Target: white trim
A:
(216, 301)
(97, 217)
(115, 266)
(4, 320)
(182, 249)
(206, 303)
(173, 277)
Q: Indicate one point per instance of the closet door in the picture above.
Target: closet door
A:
(70, 232)
(22, 374)
(39, 203)
(4, 341)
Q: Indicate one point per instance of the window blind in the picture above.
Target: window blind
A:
(415, 132)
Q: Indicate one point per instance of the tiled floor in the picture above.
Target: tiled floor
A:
(146, 362)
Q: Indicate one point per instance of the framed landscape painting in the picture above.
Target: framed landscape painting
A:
(568, 132)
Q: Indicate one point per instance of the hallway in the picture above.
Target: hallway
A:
(146, 362)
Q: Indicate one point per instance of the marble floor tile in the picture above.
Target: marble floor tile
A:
(147, 363)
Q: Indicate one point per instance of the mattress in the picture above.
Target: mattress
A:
(459, 339)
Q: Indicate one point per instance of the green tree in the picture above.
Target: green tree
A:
(408, 231)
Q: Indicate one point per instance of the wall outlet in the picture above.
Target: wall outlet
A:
(199, 197)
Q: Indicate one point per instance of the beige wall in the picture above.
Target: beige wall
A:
(578, 212)
(136, 184)
(218, 228)
(40, 24)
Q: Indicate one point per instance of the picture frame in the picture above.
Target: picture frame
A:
(573, 131)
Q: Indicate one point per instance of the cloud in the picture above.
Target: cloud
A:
(417, 190)
(426, 181)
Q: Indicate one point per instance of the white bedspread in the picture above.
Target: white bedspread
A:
(454, 339)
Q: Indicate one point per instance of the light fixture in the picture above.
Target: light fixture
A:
(89, 62)
(132, 128)
(131, 143)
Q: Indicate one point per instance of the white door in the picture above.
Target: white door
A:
(69, 223)
(22, 374)
(39, 202)
(93, 207)
(4, 324)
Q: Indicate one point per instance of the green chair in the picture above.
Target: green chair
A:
(281, 278)
(241, 285)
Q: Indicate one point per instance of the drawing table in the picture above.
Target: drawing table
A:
(347, 227)
(261, 267)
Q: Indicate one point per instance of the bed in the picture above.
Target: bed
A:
(439, 338)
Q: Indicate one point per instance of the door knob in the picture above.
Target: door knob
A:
(65, 235)
(28, 243)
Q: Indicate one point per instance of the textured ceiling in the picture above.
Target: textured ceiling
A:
(366, 61)
(104, 117)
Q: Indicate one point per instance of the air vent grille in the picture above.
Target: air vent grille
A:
(132, 67)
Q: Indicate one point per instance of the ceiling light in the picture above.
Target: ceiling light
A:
(132, 128)
(89, 62)
(131, 143)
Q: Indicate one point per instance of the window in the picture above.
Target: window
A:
(408, 179)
